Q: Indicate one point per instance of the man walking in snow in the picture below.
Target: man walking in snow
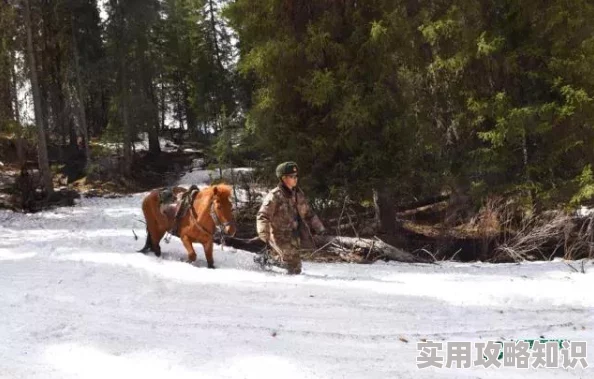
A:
(284, 218)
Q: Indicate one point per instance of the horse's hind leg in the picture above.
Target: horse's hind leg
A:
(154, 235)
(189, 248)
(155, 239)
(153, 232)
(148, 244)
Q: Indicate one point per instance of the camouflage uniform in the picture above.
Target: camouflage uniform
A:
(285, 214)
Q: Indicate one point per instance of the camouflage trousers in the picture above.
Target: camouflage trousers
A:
(284, 252)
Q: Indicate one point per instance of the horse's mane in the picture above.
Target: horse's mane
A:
(223, 191)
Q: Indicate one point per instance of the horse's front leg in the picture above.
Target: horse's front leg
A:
(189, 248)
(208, 253)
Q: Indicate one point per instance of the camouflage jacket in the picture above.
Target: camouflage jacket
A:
(282, 210)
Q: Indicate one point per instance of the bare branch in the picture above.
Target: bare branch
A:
(573, 268)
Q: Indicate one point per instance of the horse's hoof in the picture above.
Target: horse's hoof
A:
(144, 250)
(158, 254)
(211, 266)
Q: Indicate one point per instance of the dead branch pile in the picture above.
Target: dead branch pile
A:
(579, 238)
(548, 235)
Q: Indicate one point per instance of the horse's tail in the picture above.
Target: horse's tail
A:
(148, 245)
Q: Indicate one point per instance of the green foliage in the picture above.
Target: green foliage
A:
(197, 63)
(486, 47)
(586, 186)
(479, 97)
(492, 96)
(325, 91)
(319, 88)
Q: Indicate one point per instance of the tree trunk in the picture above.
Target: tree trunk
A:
(58, 107)
(153, 131)
(187, 107)
(124, 95)
(153, 124)
(525, 162)
(163, 107)
(41, 145)
(14, 89)
(214, 35)
(6, 110)
(126, 123)
(80, 96)
(180, 105)
(149, 99)
(20, 143)
(385, 213)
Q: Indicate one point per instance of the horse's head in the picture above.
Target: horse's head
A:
(222, 209)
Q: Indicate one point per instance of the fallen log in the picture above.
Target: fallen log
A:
(376, 245)
(423, 202)
(371, 245)
(255, 245)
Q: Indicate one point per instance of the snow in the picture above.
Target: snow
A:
(165, 144)
(191, 150)
(77, 301)
(584, 211)
(143, 145)
(201, 177)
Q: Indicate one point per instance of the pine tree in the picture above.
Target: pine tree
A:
(44, 169)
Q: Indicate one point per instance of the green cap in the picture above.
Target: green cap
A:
(286, 168)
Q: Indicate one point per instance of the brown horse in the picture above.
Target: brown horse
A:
(210, 210)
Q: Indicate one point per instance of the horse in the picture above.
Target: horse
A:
(210, 209)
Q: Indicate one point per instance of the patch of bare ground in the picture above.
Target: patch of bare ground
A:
(20, 189)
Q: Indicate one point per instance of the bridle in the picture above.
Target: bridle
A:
(219, 225)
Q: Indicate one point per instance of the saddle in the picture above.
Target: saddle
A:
(175, 207)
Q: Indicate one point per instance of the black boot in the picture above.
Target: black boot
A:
(261, 259)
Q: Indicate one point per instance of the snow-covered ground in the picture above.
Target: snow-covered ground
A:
(77, 301)
(202, 177)
(165, 144)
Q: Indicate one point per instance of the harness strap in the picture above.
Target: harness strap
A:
(219, 226)
(195, 220)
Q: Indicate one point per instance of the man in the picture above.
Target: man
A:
(285, 217)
